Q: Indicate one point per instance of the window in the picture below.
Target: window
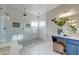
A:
(34, 23)
(42, 23)
(16, 24)
(28, 25)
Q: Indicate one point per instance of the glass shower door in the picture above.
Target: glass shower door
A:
(2, 29)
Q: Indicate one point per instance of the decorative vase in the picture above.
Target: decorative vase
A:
(59, 31)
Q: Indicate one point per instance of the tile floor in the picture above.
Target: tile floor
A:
(41, 48)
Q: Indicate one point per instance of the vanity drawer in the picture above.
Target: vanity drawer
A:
(76, 42)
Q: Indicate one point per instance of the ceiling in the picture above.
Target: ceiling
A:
(36, 9)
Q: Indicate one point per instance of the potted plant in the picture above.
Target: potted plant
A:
(73, 28)
(60, 22)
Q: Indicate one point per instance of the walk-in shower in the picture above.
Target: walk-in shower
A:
(16, 27)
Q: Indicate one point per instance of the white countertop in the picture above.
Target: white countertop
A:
(71, 37)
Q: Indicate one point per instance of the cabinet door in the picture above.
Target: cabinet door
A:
(77, 50)
(71, 49)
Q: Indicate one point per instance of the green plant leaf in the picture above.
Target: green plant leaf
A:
(61, 21)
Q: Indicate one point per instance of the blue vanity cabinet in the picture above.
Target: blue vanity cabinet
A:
(72, 45)
(71, 49)
(77, 49)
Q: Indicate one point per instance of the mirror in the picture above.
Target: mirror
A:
(72, 25)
